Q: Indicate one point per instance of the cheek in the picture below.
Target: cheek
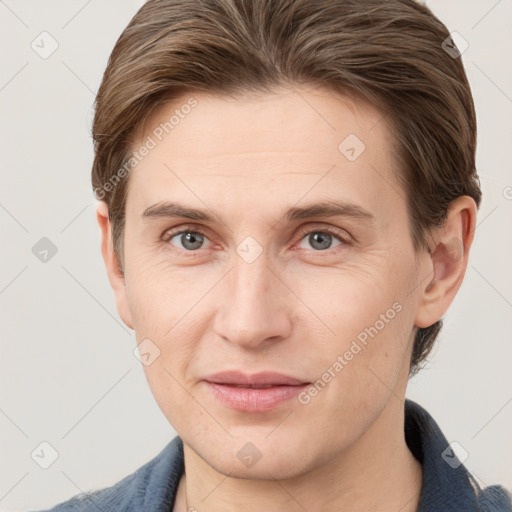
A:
(356, 370)
(168, 307)
(348, 298)
(364, 321)
(172, 395)
(159, 294)
(359, 311)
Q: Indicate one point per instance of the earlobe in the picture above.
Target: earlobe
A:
(115, 274)
(447, 261)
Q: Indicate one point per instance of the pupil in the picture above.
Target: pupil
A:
(317, 240)
(324, 240)
(191, 240)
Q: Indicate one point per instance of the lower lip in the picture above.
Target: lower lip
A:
(252, 399)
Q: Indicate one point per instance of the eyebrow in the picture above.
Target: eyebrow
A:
(168, 209)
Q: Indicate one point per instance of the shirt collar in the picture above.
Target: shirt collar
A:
(447, 484)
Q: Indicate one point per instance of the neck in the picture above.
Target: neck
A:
(377, 473)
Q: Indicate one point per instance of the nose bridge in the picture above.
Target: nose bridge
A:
(252, 310)
(251, 281)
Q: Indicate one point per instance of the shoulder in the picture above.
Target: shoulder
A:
(151, 487)
(447, 484)
(494, 498)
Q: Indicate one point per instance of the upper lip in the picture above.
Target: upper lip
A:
(256, 379)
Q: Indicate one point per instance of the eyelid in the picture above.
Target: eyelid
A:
(307, 230)
(190, 228)
(302, 231)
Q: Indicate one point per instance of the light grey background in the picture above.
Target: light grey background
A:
(68, 374)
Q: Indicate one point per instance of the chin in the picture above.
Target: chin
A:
(255, 457)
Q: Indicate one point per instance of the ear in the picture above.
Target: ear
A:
(114, 272)
(447, 261)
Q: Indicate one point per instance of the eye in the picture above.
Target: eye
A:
(186, 239)
(322, 239)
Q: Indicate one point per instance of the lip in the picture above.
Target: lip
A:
(256, 379)
(231, 389)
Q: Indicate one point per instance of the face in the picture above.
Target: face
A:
(268, 233)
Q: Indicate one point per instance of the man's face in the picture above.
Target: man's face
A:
(269, 285)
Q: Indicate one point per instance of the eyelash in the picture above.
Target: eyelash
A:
(331, 231)
(303, 232)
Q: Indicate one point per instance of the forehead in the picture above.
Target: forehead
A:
(292, 139)
(312, 116)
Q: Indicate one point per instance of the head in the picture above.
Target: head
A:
(226, 133)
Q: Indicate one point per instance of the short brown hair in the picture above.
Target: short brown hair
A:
(390, 53)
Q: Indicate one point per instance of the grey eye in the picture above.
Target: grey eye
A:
(189, 240)
(321, 240)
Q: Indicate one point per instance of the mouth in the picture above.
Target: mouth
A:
(249, 386)
(253, 393)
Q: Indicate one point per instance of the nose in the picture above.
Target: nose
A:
(253, 310)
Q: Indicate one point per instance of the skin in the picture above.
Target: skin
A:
(294, 309)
